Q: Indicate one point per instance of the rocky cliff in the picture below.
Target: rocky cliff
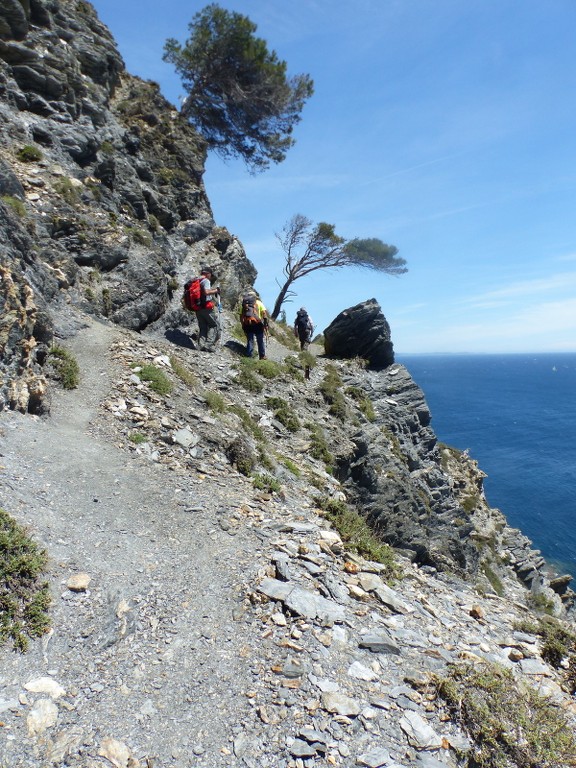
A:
(213, 601)
(101, 191)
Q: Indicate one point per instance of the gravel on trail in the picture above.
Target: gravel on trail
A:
(149, 653)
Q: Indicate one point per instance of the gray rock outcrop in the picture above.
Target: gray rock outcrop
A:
(102, 200)
(361, 331)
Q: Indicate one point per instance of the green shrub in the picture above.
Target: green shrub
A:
(106, 301)
(264, 458)
(16, 204)
(356, 533)
(155, 378)
(290, 466)
(293, 368)
(307, 359)
(241, 455)
(107, 148)
(284, 334)
(540, 603)
(495, 582)
(24, 598)
(248, 422)
(139, 236)
(268, 369)
(511, 724)
(283, 413)
(247, 377)
(215, 401)
(137, 438)
(265, 482)
(319, 447)
(174, 176)
(330, 389)
(65, 366)
(67, 191)
(29, 154)
(184, 374)
(363, 401)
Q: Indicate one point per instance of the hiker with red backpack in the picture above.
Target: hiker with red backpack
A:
(303, 328)
(254, 320)
(196, 298)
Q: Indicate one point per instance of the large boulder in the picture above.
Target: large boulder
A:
(361, 331)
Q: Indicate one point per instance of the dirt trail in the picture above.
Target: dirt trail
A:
(134, 652)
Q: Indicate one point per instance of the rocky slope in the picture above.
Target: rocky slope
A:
(205, 611)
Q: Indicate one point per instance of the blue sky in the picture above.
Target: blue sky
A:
(444, 127)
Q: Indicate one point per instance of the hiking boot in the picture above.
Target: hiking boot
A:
(263, 357)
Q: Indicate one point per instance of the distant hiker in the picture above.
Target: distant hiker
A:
(254, 319)
(196, 293)
(303, 327)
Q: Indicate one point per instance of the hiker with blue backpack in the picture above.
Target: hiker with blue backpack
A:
(303, 328)
(197, 299)
(254, 320)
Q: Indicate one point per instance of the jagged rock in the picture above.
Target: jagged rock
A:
(302, 601)
(361, 331)
(379, 641)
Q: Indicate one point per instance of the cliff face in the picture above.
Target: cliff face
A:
(101, 192)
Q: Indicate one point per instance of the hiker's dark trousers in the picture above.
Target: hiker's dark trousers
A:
(255, 331)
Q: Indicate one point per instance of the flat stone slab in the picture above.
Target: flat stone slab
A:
(302, 601)
(379, 641)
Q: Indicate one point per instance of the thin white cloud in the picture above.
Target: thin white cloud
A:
(548, 326)
(560, 282)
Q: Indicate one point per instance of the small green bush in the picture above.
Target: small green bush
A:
(29, 154)
(363, 401)
(319, 447)
(155, 378)
(139, 236)
(184, 374)
(284, 334)
(65, 366)
(307, 359)
(356, 533)
(283, 413)
(332, 394)
(511, 724)
(24, 598)
(248, 422)
(137, 438)
(495, 582)
(67, 191)
(265, 482)
(215, 401)
(294, 368)
(247, 377)
(106, 301)
(16, 204)
(290, 466)
(241, 455)
(268, 369)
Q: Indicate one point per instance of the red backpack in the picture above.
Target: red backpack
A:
(194, 297)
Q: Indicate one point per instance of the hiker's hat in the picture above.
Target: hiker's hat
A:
(206, 271)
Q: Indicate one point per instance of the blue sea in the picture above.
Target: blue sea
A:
(516, 414)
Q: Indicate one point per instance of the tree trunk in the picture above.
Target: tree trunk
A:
(281, 299)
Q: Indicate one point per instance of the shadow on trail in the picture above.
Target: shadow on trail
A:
(181, 339)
